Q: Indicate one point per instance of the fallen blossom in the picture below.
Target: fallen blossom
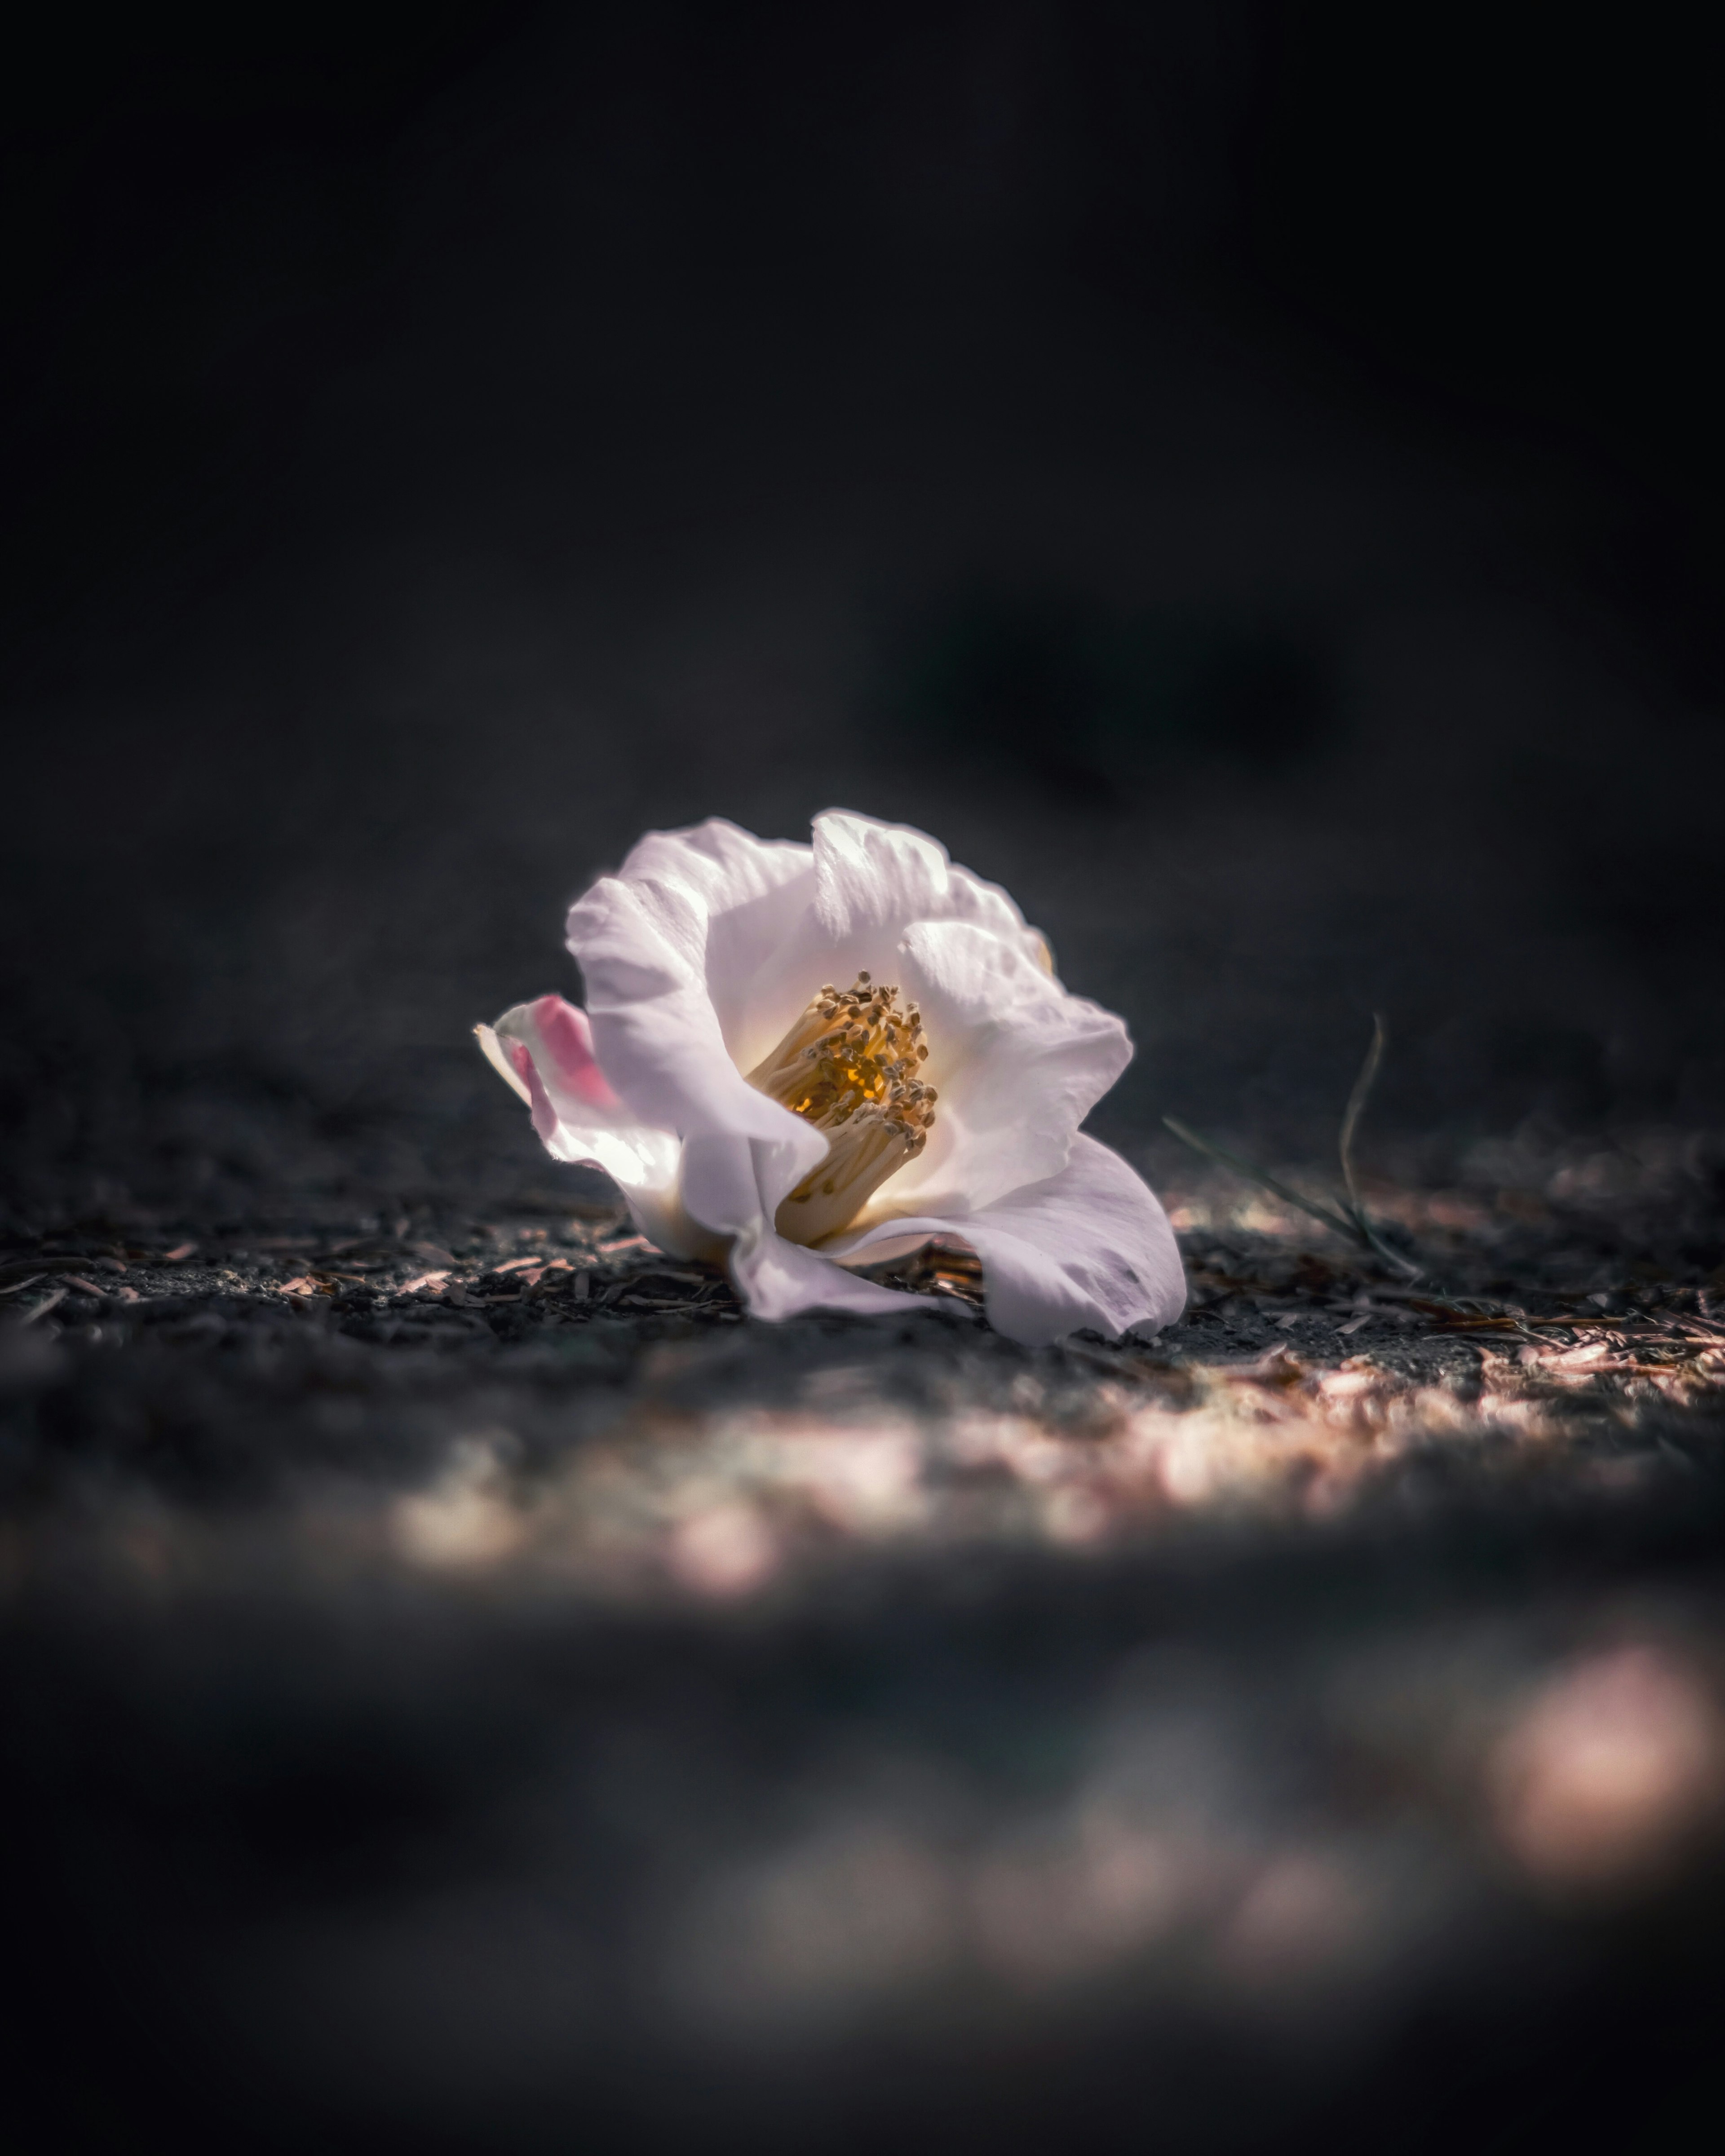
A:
(760, 1113)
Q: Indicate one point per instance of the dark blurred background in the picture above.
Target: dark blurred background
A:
(1245, 475)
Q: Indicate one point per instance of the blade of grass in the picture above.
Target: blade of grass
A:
(1357, 1100)
(1340, 1222)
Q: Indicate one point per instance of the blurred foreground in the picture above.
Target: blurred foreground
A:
(469, 1686)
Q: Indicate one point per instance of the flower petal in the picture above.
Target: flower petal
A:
(543, 1051)
(1018, 1061)
(568, 1035)
(724, 1179)
(689, 921)
(764, 924)
(778, 1279)
(866, 883)
(872, 880)
(1089, 1246)
(741, 901)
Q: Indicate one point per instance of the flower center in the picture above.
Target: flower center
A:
(850, 1065)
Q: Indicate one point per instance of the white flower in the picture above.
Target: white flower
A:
(797, 1058)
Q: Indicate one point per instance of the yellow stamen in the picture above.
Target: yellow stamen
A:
(854, 1080)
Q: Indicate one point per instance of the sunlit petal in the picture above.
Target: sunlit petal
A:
(1018, 1063)
(1088, 1247)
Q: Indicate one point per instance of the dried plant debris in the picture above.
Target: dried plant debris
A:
(468, 1265)
(658, 1441)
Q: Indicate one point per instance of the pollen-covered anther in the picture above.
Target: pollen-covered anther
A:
(846, 1066)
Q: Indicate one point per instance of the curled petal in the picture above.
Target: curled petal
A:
(874, 879)
(1019, 1062)
(779, 1279)
(543, 1050)
(545, 1115)
(840, 906)
(1089, 1246)
(661, 945)
(723, 1181)
(568, 1035)
(731, 901)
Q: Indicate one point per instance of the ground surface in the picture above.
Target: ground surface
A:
(466, 1677)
